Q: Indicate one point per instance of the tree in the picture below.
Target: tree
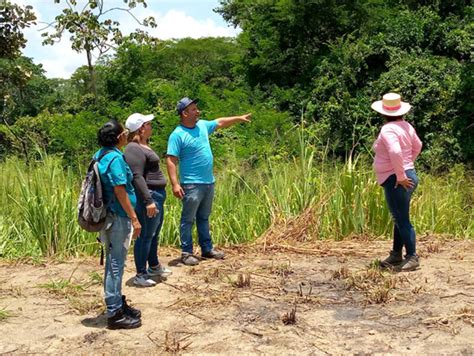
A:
(92, 31)
(13, 19)
(283, 38)
(13, 76)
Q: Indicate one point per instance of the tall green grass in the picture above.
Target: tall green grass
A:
(38, 203)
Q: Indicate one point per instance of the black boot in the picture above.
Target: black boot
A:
(122, 321)
(129, 310)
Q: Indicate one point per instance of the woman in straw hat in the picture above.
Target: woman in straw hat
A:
(396, 150)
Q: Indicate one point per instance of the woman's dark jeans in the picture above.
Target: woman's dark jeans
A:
(146, 245)
(398, 201)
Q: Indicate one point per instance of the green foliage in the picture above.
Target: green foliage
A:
(182, 65)
(41, 218)
(344, 200)
(334, 69)
(282, 38)
(91, 30)
(432, 86)
(14, 19)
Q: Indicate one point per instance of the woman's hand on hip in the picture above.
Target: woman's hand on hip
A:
(406, 183)
(151, 210)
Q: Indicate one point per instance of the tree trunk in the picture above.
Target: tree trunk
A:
(92, 83)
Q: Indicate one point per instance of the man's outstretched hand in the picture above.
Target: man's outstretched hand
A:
(246, 117)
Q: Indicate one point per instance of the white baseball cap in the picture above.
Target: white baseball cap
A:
(136, 120)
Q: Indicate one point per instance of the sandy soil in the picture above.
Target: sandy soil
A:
(310, 298)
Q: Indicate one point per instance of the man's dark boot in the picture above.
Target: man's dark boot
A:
(129, 310)
(122, 321)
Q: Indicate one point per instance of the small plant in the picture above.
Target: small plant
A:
(290, 317)
(85, 305)
(457, 256)
(63, 287)
(175, 345)
(378, 295)
(243, 281)
(96, 278)
(341, 273)
(375, 264)
(4, 314)
(283, 270)
(434, 247)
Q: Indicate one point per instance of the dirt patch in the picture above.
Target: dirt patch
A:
(278, 298)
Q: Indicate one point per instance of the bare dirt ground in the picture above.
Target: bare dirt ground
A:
(303, 298)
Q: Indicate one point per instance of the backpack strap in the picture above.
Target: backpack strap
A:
(102, 155)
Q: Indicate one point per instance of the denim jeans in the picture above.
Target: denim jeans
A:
(146, 245)
(114, 237)
(197, 205)
(398, 201)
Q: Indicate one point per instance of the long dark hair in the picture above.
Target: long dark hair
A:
(393, 118)
(107, 136)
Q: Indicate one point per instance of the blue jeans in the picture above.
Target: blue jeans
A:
(114, 236)
(146, 245)
(398, 201)
(197, 205)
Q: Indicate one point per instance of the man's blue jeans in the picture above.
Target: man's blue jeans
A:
(114, 237)
(398, 201)
(197, 205)
(146, 245)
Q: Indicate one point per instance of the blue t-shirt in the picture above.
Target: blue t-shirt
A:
(115, 171)
(191, 146)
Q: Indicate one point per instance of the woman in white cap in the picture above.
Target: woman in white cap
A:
(396, 150)
(150, 183)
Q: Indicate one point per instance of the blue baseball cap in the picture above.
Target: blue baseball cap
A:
(184, 103)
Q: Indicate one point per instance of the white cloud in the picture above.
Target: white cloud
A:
(61, 61)
(176, 24)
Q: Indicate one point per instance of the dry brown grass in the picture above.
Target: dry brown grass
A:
(289, 318)
(282, 270)
(301, 228)
(85, 305)
(174, 344)
(465, 314)
(242, 281)
(376, 284)
(341, 273)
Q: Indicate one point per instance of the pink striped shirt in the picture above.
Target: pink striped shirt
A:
(396, 149)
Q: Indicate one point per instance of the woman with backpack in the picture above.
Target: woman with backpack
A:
(149, 182)
(121, 223)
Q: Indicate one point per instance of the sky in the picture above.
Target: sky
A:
(175, 19)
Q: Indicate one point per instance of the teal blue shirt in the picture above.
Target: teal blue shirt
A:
(191, 146)
(115, 171)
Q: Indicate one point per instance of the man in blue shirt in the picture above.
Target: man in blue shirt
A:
(189, 145)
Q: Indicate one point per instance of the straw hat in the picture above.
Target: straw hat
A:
(391, 105)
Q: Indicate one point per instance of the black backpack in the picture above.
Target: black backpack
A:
(91, 207)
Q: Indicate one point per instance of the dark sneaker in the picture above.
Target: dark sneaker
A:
(189, 259)
(410, 263)
(218, 255)
(129, 310)
(122, 321)
(393, 260)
